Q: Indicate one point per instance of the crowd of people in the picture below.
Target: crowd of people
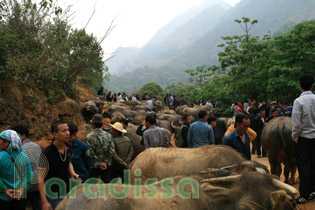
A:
(108, 151)
(169, 100)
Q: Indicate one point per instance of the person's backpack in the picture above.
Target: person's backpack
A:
(179, 141)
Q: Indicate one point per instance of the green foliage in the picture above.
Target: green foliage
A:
(150, 89)
(266, 67)
(39, 49)
(200, 73)
(269, 68)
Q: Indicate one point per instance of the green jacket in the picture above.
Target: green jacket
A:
(101, 146)
(124, 151)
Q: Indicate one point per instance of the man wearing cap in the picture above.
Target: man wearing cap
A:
(102, 148)
(123, 150)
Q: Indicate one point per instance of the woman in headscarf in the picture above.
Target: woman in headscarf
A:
(15, 171)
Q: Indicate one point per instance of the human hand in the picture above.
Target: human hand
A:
(18, 193)
(127, 166)
(9, 192)
(75, 176)
(46, 206)
(103, 166)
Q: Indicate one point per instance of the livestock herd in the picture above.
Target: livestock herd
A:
(210, 177)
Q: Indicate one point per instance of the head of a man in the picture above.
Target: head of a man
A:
(262, 112)
(187, 119)
(60, 131)
(124, 122)
(150, 120)
(274, 113)
(97, 121)
(212, 121)
(242, 123)
(202, 115)
(22, 130)
(306, 82)
(73, 129)
(117, 129)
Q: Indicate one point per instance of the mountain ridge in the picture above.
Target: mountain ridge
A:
(203, 51)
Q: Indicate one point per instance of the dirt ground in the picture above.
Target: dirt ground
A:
(306, 206)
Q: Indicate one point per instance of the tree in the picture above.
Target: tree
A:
(269, 67)
(150, 89)
(246, 28)
(292, 54)
(39, 49)
(200, 73)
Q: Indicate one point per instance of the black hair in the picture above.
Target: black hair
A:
(73, 128)
(125, 121)
(306, 81)
(202, 114)
(262, 109)
(185, 117)
(54, 126)
(98, 125)
(273, 110)
(21, 129)
(240, 117)
(211, 118)
(254, 110)
(151, 118)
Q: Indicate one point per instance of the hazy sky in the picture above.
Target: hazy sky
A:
(136, 20)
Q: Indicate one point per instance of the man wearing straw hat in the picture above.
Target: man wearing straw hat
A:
(124, 150)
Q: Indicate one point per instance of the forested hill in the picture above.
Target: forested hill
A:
(173, 57)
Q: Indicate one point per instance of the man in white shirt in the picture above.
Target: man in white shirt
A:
(150, 103)
(303, 134)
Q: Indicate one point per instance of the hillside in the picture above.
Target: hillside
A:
(170, 39)
(169, 65)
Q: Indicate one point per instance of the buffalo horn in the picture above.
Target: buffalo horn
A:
(222, 179)
(288, 188)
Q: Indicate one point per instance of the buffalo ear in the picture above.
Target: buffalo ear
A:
(279, 199)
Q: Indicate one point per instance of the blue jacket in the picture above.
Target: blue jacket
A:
(81, 159)
(200, 134)
(234, 140)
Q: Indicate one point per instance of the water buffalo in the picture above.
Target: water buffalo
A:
(90, 108)
(193, 111)
(238, 192)
(277, 142)
(135, 139)
(161, 163)
(165, 124)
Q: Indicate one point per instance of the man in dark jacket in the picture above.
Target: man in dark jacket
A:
(81, 159)
(258, 125)
(123, 150)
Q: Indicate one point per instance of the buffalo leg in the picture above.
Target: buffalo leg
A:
(292, 165)
(286, 173)
(275, 167)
